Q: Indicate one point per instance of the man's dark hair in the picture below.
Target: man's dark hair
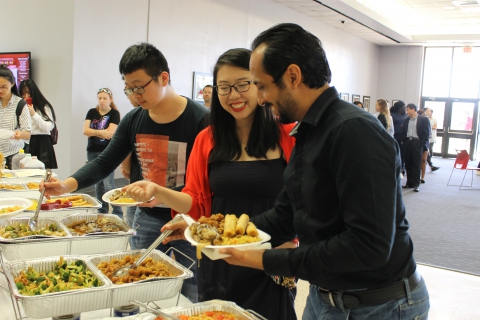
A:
(287, 44)
(357, 103)
(144, 56)
(264, 134)
(398, 107)
(208, 86)
(412, 106)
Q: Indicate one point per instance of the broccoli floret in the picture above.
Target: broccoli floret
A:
(95, 282)
(65, 276)
(37, 293)
(32, 274)
(40, 279)
(79, 263)
(20, 286)
(44, 286)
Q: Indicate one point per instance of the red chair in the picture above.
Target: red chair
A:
(461, 163)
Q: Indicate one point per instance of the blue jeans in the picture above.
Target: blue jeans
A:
(413, 307)
(149, 230)
(103, 186)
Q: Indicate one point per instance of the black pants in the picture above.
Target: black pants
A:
(399, 141)
(430, 154)
(412, 151)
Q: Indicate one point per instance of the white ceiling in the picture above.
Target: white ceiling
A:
(399, 22)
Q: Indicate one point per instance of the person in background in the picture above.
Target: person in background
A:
(99, 126)
(355, 250)
(426, 148)
(416, 132)
(236, 167)
(10, 146)
(398, 113)
(433, 138)
(42, 121)
(160, 133)
(358, 104)
(384, 117)
(207, 95)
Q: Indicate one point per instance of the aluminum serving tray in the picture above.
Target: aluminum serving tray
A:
(34, 247)
(212, 305)
(59, 303)
(95, 204)
(146, 290)
(98, 243)
(22, 185)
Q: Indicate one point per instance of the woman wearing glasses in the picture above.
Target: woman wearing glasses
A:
(43, 121)
(100, 125)
(236, 166)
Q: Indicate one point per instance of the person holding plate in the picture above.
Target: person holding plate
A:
(10, 144)
(236, 167)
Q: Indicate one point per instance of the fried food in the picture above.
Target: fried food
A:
(242, 223)
(33, 185)
(210, 315)
(102, 224)
(149, 268)
(252, 230)
(230, 225)
(11, 186)
(119, 196)
(77, 201)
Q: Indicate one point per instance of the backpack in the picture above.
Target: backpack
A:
(53, 132)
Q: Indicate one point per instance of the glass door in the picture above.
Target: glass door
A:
(457, 125)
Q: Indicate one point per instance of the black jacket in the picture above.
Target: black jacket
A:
(423, 128)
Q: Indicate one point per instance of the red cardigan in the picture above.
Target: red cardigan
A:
(197, 183)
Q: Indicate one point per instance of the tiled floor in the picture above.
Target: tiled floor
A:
(453, 296)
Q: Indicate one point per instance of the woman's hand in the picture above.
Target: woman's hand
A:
(104, 134)
(177, 229)
(17, 135)
(142, 191)
(54, 187)
(31, 109)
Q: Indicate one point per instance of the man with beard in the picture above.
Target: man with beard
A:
(342, 194)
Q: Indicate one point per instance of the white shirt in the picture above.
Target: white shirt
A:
(433, 137)
(40, 125)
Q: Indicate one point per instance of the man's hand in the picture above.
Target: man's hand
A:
(54, 187)
(247, 258)
(142, 191)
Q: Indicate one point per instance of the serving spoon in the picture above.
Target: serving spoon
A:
(32, 223)
(123, 271)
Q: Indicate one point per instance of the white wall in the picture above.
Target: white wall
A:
(399, 74)
(45, 28)
(77, 45)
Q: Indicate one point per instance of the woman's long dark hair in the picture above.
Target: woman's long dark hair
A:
(8, 74)
(264, 134)
(38, 100)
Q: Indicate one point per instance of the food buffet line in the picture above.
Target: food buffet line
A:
(65, 267)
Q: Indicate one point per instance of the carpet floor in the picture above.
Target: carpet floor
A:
(445, 221)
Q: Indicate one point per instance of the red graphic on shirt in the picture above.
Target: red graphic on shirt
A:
(162, 161)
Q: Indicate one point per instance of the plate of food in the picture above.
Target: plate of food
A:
(10, 207)
(211, 234)
(119, 198)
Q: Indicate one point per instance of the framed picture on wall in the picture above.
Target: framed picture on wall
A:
(344, 96)
(366, 103)
(355, 97)
(200, 80)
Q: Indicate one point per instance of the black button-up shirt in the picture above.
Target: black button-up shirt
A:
(343, 198)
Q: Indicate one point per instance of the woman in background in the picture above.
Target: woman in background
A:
(43, 120)
(100, 125)
(20, 127)
(425, 152)
(384, 117)
(236, 166)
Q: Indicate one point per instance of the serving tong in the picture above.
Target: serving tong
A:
(155, 311)
(33, 222)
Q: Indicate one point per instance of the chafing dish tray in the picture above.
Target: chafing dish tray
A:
(58, 303)
(151, 289)
(212, 305)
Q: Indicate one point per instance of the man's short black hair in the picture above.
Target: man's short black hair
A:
(287, 44)
(208, 86)
(144, 56)
(412, 106)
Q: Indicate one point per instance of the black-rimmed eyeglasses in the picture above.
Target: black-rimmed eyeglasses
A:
(137, 89)
(240, 86)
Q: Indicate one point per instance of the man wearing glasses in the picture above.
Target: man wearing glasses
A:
(160, 133)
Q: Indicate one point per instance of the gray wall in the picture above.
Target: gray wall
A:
(76, 46)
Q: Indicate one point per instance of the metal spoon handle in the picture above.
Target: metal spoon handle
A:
(156, 311)
(155, 244)
(48, 175)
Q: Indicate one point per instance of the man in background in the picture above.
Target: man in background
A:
(207, 95)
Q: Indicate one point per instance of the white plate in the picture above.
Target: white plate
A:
(106, 197)
(10, 202)
(213, 251)
(6, 134)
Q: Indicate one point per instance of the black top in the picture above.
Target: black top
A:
(383, 120)
(99, 122)
(161, 150)
(343, 197)
(245, 187)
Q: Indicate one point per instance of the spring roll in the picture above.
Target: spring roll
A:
(242, 224)
(230, 225)
(252, 230)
